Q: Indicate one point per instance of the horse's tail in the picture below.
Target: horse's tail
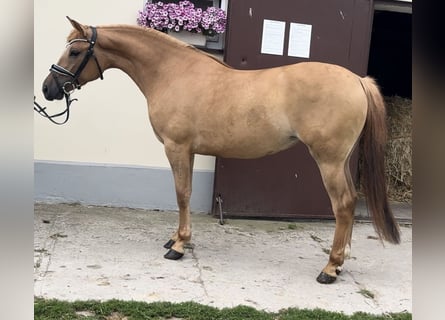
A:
(373, 148)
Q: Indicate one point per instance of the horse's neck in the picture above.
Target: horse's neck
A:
(142, 54)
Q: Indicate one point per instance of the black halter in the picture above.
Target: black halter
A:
(70, 86)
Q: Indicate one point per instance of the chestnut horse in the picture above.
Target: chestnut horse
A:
(199, 105)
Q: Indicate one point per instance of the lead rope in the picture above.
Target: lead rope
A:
(41, 110)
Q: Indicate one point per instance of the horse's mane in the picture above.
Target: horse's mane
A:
(153, 33)
(210, 56)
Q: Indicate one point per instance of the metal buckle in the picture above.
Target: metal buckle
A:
(69, 87)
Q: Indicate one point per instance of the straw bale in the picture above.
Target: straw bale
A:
(398, 157)
(398, 160)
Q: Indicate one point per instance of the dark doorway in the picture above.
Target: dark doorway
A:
(390, 56)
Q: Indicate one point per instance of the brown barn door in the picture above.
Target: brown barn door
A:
(263, 34)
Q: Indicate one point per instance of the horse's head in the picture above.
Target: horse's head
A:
(74, 67)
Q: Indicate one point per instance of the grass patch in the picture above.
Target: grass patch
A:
(133, 310)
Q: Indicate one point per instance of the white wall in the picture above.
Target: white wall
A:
(109, 124)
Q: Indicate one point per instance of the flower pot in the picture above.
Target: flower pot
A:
(196, 39)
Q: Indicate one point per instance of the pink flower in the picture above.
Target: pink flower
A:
(182, 16)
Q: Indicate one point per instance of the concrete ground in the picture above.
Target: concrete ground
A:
(89, 252)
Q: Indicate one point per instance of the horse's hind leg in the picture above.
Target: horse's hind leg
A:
(342, 194)
(181, 162)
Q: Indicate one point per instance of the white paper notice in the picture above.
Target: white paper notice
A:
(299, 40)
(272, 41)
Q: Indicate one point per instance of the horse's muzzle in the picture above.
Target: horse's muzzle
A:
(51, 89)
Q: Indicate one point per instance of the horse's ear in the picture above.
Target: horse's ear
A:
(76, 25)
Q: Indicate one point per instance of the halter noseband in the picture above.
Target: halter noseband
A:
(69, 86)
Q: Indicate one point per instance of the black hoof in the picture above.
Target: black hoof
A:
(169, 244)
(173, 255)
(324, 278)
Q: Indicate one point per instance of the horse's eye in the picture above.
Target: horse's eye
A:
(74, 53)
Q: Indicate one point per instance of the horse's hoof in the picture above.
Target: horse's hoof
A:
(169, 244)
(173, 255)
(324, 278)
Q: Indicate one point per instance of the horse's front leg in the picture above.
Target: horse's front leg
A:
(181, 162)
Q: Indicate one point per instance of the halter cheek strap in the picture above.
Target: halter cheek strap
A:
(75, 76)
